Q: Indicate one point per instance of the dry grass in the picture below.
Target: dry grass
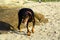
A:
(41, 18)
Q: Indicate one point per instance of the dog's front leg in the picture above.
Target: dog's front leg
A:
(28, 31)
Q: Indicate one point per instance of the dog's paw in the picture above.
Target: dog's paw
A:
(28, 33)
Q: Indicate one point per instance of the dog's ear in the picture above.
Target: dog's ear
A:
(28, 12)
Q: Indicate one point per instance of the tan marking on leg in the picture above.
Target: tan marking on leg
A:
(33, 30)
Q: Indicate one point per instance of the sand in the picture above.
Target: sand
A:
(48, 31)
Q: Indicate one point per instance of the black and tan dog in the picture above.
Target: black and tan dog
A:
(25, 16)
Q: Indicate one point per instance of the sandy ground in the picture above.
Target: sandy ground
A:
(48, 31)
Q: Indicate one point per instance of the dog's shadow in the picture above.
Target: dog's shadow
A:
(20, 33)
(6, 27)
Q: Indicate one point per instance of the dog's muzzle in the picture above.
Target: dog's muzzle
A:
(24, 21)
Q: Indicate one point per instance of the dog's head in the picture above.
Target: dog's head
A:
(25, 20)
(26, 17)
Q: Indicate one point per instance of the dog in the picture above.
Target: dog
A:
(26, 15)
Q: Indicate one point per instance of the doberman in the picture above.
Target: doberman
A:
(26, 15)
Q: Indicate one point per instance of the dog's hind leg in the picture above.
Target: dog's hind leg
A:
(33, 26)
(19, 23)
